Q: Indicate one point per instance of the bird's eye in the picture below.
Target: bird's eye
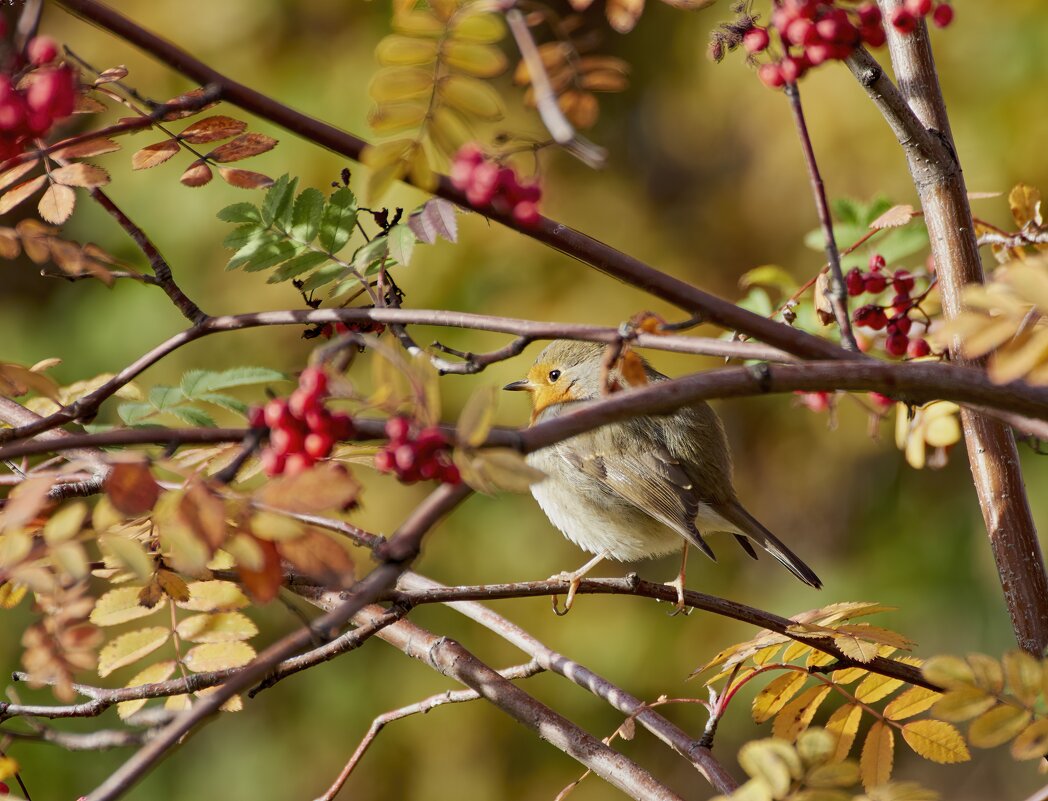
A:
(554, 375)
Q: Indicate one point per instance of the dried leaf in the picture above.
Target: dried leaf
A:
(878, 752)
(24, 502)
(1025, 203)
(319, 556)
(9, 176)
(244, 146)
(776, 695)
(20, 193)
(131, 488)
(197, 174)
(211, 129)
(83, 150)
(129, 648)
(80, 174)
(262, 581)
(245, 179)
(894, 217)
(110, 75)
(935, 740)
(152, 155)
(327, 487)
(173, 585)
(189, 112)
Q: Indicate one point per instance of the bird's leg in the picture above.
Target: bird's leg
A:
(678, 583)
(575, 579)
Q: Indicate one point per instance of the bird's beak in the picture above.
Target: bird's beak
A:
(517, 386)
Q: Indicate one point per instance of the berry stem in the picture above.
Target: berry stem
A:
(837, 295)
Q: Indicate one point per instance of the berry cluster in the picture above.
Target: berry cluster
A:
(329, 330)
(487, 182)
(892, 318)
(816, 31)
(416, 455)
(31, 103)
(301, 429)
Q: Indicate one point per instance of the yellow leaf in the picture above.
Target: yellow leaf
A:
(448, 131)
(963, 703)
(848, 675)
(834, 774)
(1030, 282)
(475, 421)
(994, 333)
(71, 558)
(478, 28)
(396, 84)
(777, 694)
(948, 672)
(161, 671)
(405, 51)
(1022, 673)
(275, 527)
(376, 157)
(1025, 202)
(217, 627)
(1032, 742)
(941, 432)
(774, 762)
(875, 687)
(119, 606)
(396, 117)
(797, 715)
(11, 594)
(753, 790)
(1020, 357)
(997, 726)
(878, 752)
(65, 523)
(418, 23)
(478, 60)
(214, 596)
(912, 702)
(844, 724)
(8, 768)
(815, 746)
(218, 656)
(472, 96)
(987, 671)
(936, 740)
(129, 648)
(129, 553)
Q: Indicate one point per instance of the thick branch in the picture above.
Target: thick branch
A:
(991, 449)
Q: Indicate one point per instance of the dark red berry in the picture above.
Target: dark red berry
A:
(273, 463)
(318, 445)
(397, 429)
(919, 8)
(901, 304)
(313, 380)
(275, 413)
(792, 69)
(756, 40)
(918, 348)
(384, 461)
(902, 324)
(877, 262)
(875, 283)
(771, 75)
(904, 21)
(943, 15)
(870, 316)
(873, 35)
(298, 463)
(342, 426)
(896, 344)
(881, 400)
(256, 417)
(902, 282)
(869, 14)
(854, 282)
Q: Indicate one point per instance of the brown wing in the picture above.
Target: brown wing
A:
(734, 513)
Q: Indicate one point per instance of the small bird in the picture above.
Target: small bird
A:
(640, 488)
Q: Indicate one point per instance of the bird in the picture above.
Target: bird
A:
(640, 488)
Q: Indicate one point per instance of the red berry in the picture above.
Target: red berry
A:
(342, 426)
(902, 282)
(816, 401)
(901, 304)
(470, 153)
(384, 461)
(318, 445)
(873, 35)
(286, 441)
(12, 113)
(901, 323)
(301, 402)
(298, 463)
(919, 8)
(526, 213)
(903, 21)
(756, 40)
(275, 413)
(881, 400)
(818, 53)
(896, 344)
(943, 15)
(802, 32)
(52, 91)
(870, 316)
(792, 69)
(397, 429)
(918, 348)
(449, 474)
(462, 173)
(877, 262)
(837, 31)
(404, 457)
(483, 183)
(273, 463)
(313, 380)
(256, 417)
(869, 14)
(854, 282)
(875, 283)
(771, 75)
(41, 50)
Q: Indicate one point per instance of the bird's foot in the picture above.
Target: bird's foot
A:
(574, 580)
(680, 607)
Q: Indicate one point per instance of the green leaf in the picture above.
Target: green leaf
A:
(271, 255)
(304, 262)
(276, 208)
(401, 243)
(198, 381)
(374, 251)
(243, 234)
(259, 241)
(336, 224)
(132, 413)
(305, 219)
(323, 276)
(849, 211)
(192, 416)
(162, 397)
(225, 401)
(241, 213)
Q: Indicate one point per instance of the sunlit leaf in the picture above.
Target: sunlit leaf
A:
(997, 726)
(776, 695)
(211, 129)
(129, 648)
(244, 146)
(119, 606)
(878, 753)
(217, 627)
(911, 702)
(197, 174)
(218, 656)
(844, 725)
(936, 740)
(161, 671)
(214, 596)
(57, 203)
(80, 174)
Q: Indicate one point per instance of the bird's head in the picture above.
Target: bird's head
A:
(565, 371)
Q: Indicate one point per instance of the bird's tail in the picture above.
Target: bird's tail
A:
(747, 525)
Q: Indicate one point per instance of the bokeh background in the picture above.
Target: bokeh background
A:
(705, 181)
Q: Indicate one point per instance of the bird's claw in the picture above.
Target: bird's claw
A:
(574, 581)
(681, 607)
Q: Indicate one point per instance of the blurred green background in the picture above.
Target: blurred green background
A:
(705, 181)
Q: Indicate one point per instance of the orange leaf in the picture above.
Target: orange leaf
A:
(131, 488)
(245, 179)
(263, 584)
(152, 155)
(177, 115)
(197, 174)
(85, 175)
(244, 146)
(211, 129)
(8, 177)
(92, 147)
(20, 193)
(878, 752)
(320, 556)
(57, 203)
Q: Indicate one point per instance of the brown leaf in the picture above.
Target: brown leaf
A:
(321, 557)
(25, 502)
(325, 488)
(177, 115)
(263, 584)
(91, 147)
(197, 174)
(245, 179)
(88, 105)
(111, 74)
(80, 174)
(8, 177)
(154, 154)
(10, 245)
(894, 217)
(20, 193)
(36, 239)
(823, 306)
(204, 514)
(211, 129)
(57, 203)
(632, 367)
(131, 488)
(1025, 203)
(244, 146)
